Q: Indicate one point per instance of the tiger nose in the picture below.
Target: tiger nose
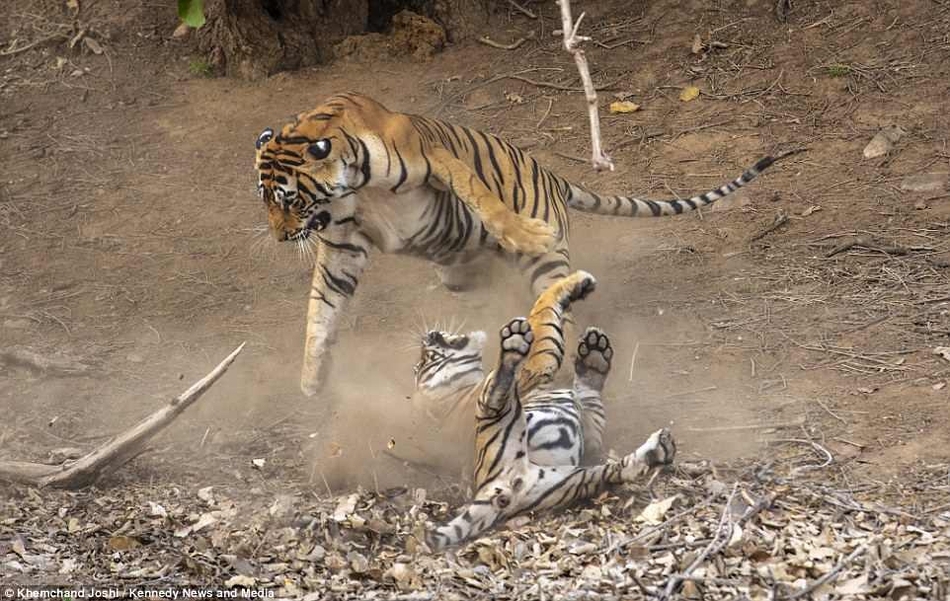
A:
(279, 234)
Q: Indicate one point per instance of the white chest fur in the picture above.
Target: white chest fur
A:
(391, 219)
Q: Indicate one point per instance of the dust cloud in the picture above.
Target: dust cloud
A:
(701, 396)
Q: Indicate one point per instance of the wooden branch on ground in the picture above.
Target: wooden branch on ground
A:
(780, 220)
(522, 10)
(572, 43)
(830, 576)
(116, 451)
(512, 46)
(869, 243)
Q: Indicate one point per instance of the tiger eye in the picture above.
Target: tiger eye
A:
(264, 138)
(319, 149)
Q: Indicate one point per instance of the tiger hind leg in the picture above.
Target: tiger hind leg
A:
(591, 367)
(562, 486)
(534, 488)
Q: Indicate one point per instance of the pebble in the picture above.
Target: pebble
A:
(925, 182)
(181, 31)
(883, 142)
(17, 324)
(134, 358)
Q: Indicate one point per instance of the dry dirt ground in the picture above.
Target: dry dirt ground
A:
(132, 246)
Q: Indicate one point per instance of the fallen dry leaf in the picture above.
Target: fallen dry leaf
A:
(123, 543)
(205, 520)
(653, 513)
(205, 494)
(345, 507)
(93, 45)
(624, 106)
(240, 581)
(689, 93)
(698, 45)
(157, 510)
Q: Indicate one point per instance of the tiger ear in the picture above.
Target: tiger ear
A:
(515, 233)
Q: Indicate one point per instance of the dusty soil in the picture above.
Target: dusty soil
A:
(131, 239)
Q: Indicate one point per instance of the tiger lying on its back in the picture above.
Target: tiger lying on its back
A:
(527, 453)
(351, 175)
(565, 426)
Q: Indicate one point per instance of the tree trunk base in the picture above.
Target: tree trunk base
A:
(253, 39)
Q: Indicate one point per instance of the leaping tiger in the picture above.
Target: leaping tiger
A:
(355, 176)
(527, 452)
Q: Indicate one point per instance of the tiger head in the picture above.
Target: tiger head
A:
(449, 362)
(309, 171)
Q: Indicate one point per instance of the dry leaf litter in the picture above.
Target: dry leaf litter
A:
(701, 532)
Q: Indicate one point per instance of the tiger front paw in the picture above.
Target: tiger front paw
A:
(658, 450)
(516, 339)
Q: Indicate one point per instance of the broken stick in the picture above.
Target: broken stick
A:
(572, 43)
(117, 451)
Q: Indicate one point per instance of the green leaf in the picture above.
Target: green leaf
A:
(192, 12)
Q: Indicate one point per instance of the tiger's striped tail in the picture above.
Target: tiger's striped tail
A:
(628, 206)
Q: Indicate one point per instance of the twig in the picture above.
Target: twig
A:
(452, 98)
(205, 437)
(868, 243)
(805, 468)
(572, 41)
(689, 392)
(713, 547)
(555, 86)
(831, 413)
(806, 592)
(748, 427)
(517, 43)
(49, 38)
(633, 359)
(846, 441)
(546, 113)
(780, 220)
(117, 451)
(659, 527)
(522, 9)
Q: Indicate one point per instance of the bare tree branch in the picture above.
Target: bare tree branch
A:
(116, 451)
(572, 43)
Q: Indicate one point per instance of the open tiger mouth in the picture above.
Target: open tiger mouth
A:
(315, 223)
(318, 221)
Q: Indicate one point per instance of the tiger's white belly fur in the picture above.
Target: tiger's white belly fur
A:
(390, 219)
(400, 223)
(555, 427)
